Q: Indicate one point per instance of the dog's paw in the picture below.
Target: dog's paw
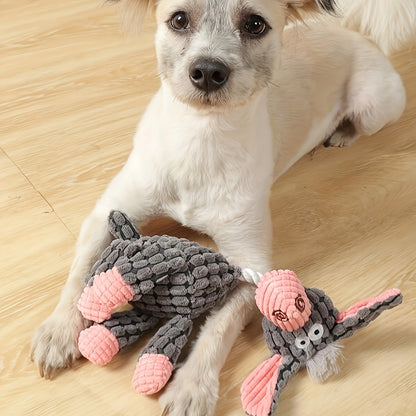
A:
(339, 139)
(55, 344)
(190, 394)
(344, 135)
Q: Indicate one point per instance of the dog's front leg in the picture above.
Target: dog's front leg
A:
(55, 342)
(194, 389)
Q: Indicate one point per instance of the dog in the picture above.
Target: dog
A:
(244, 94)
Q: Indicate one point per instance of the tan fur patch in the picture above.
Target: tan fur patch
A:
(133, 13)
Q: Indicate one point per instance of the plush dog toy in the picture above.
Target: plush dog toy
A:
(301, 328)
(161, 277)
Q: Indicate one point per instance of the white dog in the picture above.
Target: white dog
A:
(243, 97)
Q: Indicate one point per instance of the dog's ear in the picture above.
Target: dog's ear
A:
(312, 5)
(133, 13)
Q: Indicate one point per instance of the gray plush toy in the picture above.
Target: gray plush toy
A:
(301, 328)
(161, 277)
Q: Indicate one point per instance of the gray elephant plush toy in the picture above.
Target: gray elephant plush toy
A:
(162, 277)
(301, 328)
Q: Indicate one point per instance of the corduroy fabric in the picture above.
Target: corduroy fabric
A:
(162, 277)
(294, 349)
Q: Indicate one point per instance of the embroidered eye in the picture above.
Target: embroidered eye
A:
(255, 25)
(179, 21)
(316, 332)
(280, 315)
(300, 303)
(302, 342)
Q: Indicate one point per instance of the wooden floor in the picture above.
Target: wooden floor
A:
(72, 90)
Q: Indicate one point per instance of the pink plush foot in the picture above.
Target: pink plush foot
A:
(108, 292)
(152, 373)
(98, 344)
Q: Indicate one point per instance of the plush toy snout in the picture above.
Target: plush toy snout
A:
(281, 297)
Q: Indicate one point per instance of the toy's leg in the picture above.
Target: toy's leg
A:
(107, 293)
(55, 343)
(99, 343)
(158, 359)
(112, 288)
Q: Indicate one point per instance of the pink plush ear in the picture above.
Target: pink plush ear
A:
(367, 304)
(282, 299)
(258, 388)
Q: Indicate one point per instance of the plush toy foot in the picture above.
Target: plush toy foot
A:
(98, 344)
(152, 373)
(108, 292)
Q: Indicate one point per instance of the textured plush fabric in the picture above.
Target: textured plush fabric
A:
(313, 344)
(162, 277)
(282, 299)
(152, 373)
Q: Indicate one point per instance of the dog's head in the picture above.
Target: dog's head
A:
(219, 53)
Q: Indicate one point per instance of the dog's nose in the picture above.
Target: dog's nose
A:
(208, 75)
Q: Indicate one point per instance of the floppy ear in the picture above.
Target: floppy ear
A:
(133, 13)
(258, 392)
(362, 313)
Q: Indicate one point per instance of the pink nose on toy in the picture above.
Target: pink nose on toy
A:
(282, 299)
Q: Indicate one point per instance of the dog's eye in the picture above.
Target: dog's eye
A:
(255, 25)
(179, 21)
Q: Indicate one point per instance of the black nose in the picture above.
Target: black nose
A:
(208, 75)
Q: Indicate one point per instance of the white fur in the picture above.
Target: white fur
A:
(391, 24)
(325, 362)
(211, 167)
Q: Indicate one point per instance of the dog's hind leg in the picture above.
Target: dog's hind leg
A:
(344, 135)
(375, 97)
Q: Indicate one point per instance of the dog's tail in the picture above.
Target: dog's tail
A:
(391, 24)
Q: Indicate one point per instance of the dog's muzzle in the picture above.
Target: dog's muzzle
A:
(208, 75)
